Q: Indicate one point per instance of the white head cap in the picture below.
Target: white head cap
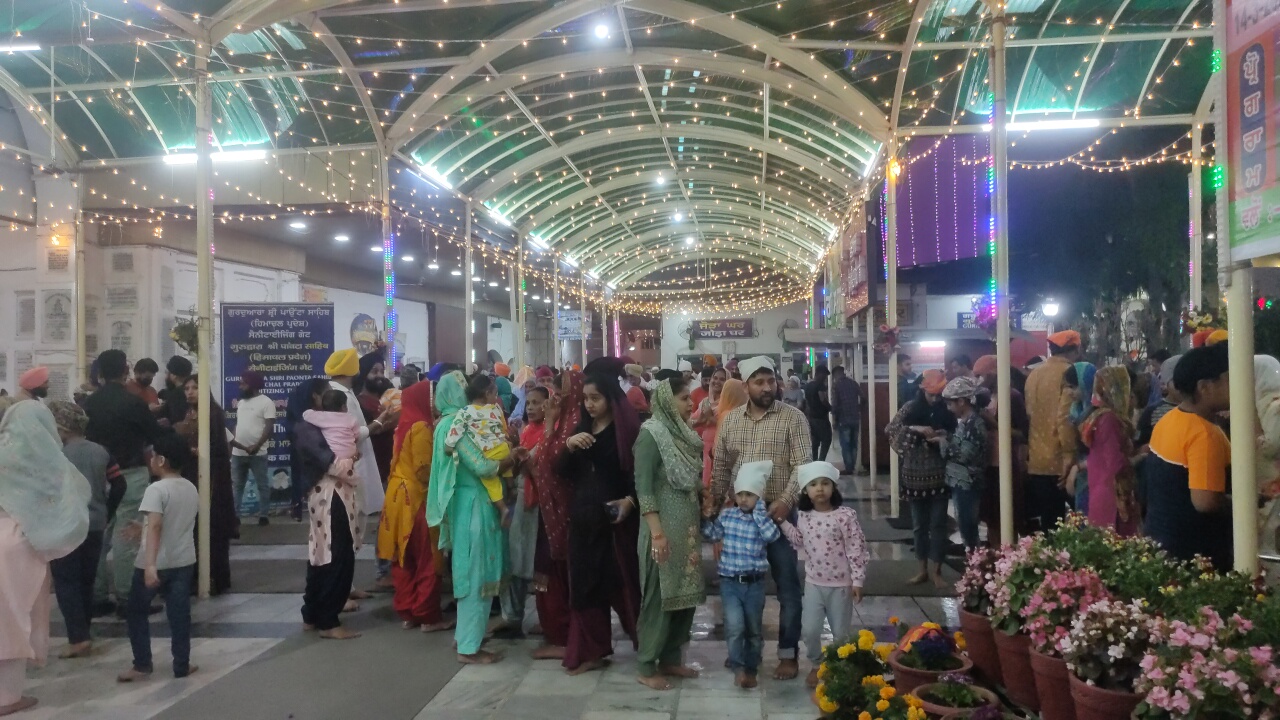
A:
(751, 366)
(809, 472)
(752, 477)
(684, 366)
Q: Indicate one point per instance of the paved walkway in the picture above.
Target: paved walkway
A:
(255, 661)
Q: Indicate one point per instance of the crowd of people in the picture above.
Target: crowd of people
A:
(592, 489)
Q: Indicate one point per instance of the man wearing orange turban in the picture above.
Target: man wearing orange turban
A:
(1053, 436)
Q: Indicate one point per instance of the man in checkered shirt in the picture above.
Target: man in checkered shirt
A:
(768, 429)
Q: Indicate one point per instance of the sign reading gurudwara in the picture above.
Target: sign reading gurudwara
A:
(738, 328)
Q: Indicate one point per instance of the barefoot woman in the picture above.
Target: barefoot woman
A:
(668, 473)
(469, 525)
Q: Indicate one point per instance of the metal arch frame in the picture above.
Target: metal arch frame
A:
(1093, 56)
(11, 85)
(620, 271)
(344, 60)
(1164, 47)
(646, 266)
(260, 15)
(53, 128)
(402, 130)
(141, 108)
(1017, 96)
(662, 57)
(603, 240)
(710, 88)
(543, 208)
(628, 180)
(488, 188)
(913, 31)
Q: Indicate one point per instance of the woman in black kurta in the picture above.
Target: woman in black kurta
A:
(604, 571)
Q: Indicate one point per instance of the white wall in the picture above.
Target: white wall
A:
(766, 325)
(411, 334)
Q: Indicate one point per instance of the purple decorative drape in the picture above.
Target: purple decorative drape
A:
(944, 209)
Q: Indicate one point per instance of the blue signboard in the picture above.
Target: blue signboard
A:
(286, 342)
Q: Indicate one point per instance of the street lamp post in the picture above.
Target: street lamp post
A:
(1050, 310)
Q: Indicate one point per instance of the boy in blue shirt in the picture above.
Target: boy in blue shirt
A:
(745, 531)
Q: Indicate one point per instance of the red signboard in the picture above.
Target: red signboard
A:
(1253, 37)
(722, 328)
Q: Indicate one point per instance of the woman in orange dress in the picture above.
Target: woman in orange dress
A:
(403, 535)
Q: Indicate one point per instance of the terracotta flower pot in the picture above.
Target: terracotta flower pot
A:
(1015, 667)
(980, 644)
(1053, 687)
(939, 711)
(1095, 703)
(907, 679)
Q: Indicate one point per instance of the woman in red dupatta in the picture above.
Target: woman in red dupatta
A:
(403, 535)
(555, 496)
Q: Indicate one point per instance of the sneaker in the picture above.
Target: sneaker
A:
(263, 521)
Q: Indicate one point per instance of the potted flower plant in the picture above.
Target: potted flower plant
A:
(954, 691)
(986, 712)
(924, 654)
(1018, 572)
(843, 669)
(1048, 615)
(975, 614)
(1104, 650)
(1209, 669)
(876, 699)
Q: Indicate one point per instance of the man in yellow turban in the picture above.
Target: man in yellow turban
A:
(343, 363)
(342, 368)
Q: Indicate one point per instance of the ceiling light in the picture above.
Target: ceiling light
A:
(476, 278)
(436, 177)
(407, 258)
(500, 218)
(455, 271)
(1081, 124)
(433, 265)
(677, 217)
(508, 288)
(535, 297)
(689, 240)
(661, 180)
(298, 225)
(341, 238)
(602, 31)
(375, 248)
(493, 283)
(20, 47)
(189, 158)
(933, 343)
(571, 262)
(633, 347)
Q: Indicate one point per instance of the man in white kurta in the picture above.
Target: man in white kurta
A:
(342, 368)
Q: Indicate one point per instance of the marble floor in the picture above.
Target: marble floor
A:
(252, 644)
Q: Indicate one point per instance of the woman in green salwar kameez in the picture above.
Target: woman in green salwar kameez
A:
(668, 456)
(470, 528)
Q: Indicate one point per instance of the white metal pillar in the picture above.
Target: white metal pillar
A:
(82, 350)
(582, 288)
(204, 298)
(468, 272)
(617, 334)
(389, 318)
(872, 425)
(1196, 261)
(557, 350)
(1244, 481)
(891, 304)
(1000, 203)
(517, 294)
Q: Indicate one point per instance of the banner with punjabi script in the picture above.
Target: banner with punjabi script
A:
(738, 328)
(1253, 35)
(288, 343)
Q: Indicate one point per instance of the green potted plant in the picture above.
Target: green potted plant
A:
(924, 654)
(975, 614)
(1019, 570)
(1048, 615)
(1104, 650)
(986, 712)
(954, 691)
(844, 673)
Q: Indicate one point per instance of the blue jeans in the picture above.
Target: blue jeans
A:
(241, 465)
(848, 446)
(785, 568)
(743, 622)
(175, 586)
(967, 503)
(929, 526)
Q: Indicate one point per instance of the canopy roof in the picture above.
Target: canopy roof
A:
(665, 145)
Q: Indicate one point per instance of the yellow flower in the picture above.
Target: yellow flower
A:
(822, 671)
(960, 643)
(893, 619)
(884, 650)
(827, 706)
(845, 651)
(882, 705)
(1260, 597)
(864, 715)
(866, 640)
(877, 680)
(820, 690)
(887, 692)
(931, 626)
(913, 701)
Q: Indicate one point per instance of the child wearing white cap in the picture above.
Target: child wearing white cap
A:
(746, 530)
(830, 543)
